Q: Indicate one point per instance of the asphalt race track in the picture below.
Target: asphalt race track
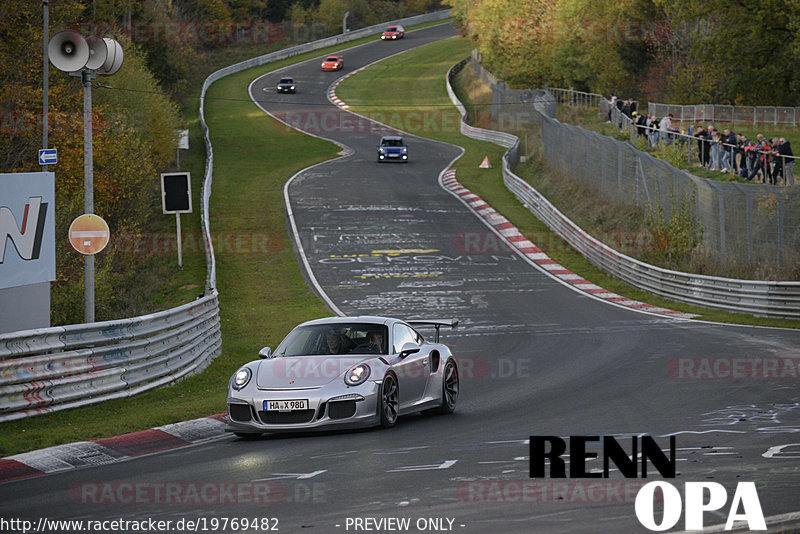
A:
(536, 358)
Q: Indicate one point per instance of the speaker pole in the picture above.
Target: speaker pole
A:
(45, 76)
(88, 191)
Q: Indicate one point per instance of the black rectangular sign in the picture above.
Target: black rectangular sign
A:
(176, 192)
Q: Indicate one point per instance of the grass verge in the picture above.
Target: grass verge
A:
(263, 294)
(374, 92)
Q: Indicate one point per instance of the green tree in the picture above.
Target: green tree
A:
(138, 103)
(749, 47)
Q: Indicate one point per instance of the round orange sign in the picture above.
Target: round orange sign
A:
(89, 234)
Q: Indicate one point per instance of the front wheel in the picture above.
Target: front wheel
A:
(389, 401)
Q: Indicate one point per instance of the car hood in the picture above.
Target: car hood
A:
(305, 371)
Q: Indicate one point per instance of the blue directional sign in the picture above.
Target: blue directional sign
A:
(48, 156)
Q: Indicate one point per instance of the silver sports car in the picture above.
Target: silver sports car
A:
(344, 372)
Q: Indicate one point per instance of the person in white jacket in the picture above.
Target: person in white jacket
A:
(665, 126)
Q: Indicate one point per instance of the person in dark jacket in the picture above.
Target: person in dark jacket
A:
(785, 150)
(702, 135)
(641, 123)
(728, 151)
(780, 149)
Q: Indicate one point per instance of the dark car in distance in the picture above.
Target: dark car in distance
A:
(286, 85)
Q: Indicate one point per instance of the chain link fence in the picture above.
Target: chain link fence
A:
(747, 225)
(713, 113)
(570, 97)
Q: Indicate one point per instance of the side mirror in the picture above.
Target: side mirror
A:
(408, 349)
(266, 352)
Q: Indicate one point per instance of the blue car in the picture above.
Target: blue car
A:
(392, 148)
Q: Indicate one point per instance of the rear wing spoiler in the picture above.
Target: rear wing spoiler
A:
(437, 323)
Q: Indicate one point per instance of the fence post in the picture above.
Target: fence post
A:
(776, 192)
(721, 197)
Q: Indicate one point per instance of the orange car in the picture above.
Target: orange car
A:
(333, 63)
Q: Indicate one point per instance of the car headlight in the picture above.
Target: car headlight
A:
(241, 378)
(357, 374)
(382, 150)
(405, 149)
(293, 88)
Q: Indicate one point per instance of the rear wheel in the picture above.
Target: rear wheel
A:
(449, 387)
(389, 401)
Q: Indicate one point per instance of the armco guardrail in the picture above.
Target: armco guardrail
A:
(763, 298)
(51, 369)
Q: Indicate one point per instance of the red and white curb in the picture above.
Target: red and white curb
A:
(111, 450)
(335, 100)
(513, 236)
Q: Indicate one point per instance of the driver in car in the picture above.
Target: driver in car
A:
(373, 344)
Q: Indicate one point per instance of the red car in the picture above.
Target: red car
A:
(333, 63)
(393, 32)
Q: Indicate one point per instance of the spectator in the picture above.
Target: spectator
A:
(728, 147)
(652, 125)
(665, 127)
(702, 154)
(750, 155)
(761, 160)
(741, 143)
(626, 109)
(785, 151)
(716, 139)
(707, 144)
(775, 156)
(641, 124)
(612, 105)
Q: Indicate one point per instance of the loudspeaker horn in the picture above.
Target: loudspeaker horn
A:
(68, 51)
(98, 52)
(114, 57)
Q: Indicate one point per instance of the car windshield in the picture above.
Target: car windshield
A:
(331, 58)
(335, 338)
(286, 80)
(391, 29)
(391, 142)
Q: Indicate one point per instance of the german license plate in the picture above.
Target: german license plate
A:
(285, 405)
